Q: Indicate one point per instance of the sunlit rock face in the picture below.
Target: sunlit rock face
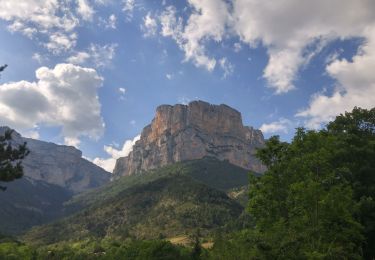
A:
(193, 131)
(59, 164)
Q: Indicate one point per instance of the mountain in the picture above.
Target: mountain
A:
(187, 132)
(28, 202)
(60, 165)
(52, 175)
(166, 202)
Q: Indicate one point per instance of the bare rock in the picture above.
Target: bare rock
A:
(187, 132)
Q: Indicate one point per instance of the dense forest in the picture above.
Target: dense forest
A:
(315, 201)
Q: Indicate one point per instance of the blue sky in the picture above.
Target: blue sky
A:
(91, 73)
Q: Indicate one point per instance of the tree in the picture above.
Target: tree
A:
(303, 206)
(2, 68)
(354, 140)
(11, 158)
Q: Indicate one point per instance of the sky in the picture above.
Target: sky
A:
(91, 73)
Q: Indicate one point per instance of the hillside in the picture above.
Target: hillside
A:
(173, 200)
(28, 202)
(165, 207)
(220, 175)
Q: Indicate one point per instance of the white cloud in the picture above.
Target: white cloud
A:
(109, 163)
(283, 125)
(65, 96)
(292, 31)
(356, 86)
(183, 100)
(34, 134)
(39, 57)
(169, 76)
(237, 47)
(112, 21)
(72, 141)
(109, 23)
(85, 10)
(149, 26)
(207, 22)
(79, 57)
(122, 92)
(128, 9)
(61, 42)
(227, 67)
(53, 20)
(288, 27)
(106, 164)
(99, 55)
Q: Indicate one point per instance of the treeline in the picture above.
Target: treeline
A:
(98, 249)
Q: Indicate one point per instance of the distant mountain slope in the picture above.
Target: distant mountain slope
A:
(170, 201)
(217, 174)
(29, 202)
(52, 174)
(165, 207)
(60, 165)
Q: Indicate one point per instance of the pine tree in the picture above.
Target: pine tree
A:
(11, 158)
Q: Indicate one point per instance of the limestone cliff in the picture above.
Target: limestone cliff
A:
(59, 164)
(187, 132)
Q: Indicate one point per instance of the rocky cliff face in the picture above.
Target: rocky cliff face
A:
(60, 165)
(187, 132)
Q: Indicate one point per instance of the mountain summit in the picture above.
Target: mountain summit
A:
(193, 131)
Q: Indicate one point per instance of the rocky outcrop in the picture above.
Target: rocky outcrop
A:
(187, 132)
(59, 165)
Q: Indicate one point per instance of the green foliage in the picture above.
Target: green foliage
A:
(29, 202)
(97, 249)
(11, 158)
(212, 172)
(168, 206)
(303, 205)
(354, 141)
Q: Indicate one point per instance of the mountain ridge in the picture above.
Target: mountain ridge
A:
(59, 164)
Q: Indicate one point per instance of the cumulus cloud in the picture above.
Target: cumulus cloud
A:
(65, 96)
(109, 163)
(283, 125)
(96, 55)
